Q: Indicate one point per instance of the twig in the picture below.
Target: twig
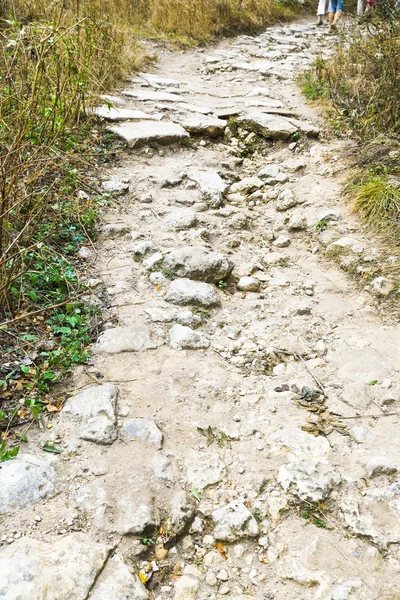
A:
(41, 310)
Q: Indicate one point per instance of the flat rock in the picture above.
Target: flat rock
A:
(309, 480)
(375, 514)
(186, 588)
(163, 468)
(116, 185)
(233, 522)
(197, 262)
(156, 80)
(268, 126)
(25, 480)
(182, 512)
(124, 114)
(95, 408)
(246, 185)
(203, 125)
(142, 429)
(124, 339)
(297, 223)
(119, 502)
(285, 201)
(204, 470)
(117, 582)
(186, 291)
(149, 132)
(296, 443)
(248, 284)
(182, 337)
(113, 230)
(153, 96)
(212, 186)
(63, 569)
(179, 220)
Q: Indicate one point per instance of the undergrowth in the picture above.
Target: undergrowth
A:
(360, 87)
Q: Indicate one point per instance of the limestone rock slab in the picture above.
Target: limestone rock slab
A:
(212, 187)
(266, 125)
(233, 522)
(203, 125)
(186, 291)
(143, 429)
(124, 114)
(197, 262)
(182, 337)
(95, 407)
(117, 582)
(63, 569)
(308, 480)
(149, 132)
(124, 339)
(204, 470)
(25, 480)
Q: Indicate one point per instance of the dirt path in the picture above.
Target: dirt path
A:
(225, 413)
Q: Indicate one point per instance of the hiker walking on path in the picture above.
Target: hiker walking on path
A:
(335, 11)
(322, 10)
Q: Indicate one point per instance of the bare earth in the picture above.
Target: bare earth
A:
(225, 413)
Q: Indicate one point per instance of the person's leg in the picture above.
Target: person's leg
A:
(321, 11)
(331, 13)
(339, 11)
(360, 8)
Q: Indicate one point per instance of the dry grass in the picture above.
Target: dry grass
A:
(197, 20)
(377, 201)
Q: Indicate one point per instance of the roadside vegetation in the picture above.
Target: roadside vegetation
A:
(359, 88)
(56, 58)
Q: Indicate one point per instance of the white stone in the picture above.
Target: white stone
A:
(282, 241)
(124, 339)
(116, 185)
(117, 582)
(63, 569)
(269, 126)
(186, 588)
(375, 514)
(309, 480)
(152, 96)
(381, 286)
(297, 223)
(25, 480)
(197, 262)
(124, 114)
(233, 522)
(182, 337)
(119, 503)
(142, 429)
(95, 408)
(186, 291)
(148, 132)
(296, 443)
(212, 186)
(163, 468)
(179, 220)
(202, 124)
(182, 512)
(248, 284)
(286, 200)
(204, 470)
(247, 185)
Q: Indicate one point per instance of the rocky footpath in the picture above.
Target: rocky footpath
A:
(235, 434)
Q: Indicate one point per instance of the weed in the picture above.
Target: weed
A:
(315, 512)
(222, 284)
(313, 82)
(321, 226)
(377, 200)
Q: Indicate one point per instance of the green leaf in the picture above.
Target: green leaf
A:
(23, 437)
(25, 369)
(48, 448)
(373, 382)
(195, 494)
